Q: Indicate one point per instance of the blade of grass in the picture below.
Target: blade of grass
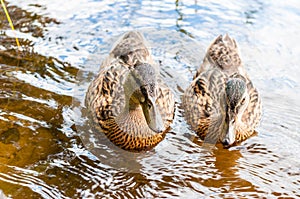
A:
(17, 41)
(10, 22)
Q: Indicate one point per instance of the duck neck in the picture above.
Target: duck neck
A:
(131, 120)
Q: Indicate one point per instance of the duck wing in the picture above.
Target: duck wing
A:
(223, 53)
(165, 102)
(105, 95)
(205, 106)
(252, 114)
(130, 49)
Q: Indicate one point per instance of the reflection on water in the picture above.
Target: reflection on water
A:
(42, 121)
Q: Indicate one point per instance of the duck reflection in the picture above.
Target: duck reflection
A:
(224, 169)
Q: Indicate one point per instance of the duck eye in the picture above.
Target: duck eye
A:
(243, 101)
(149, 105)
(144, 91)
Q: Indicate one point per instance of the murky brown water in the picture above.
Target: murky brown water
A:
(44, 152)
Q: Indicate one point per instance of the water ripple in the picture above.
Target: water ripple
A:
(27, 178)
(42, 91)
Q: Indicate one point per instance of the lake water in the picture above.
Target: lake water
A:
(47, 147)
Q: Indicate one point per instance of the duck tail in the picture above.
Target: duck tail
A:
(131, 48)
(223, 52)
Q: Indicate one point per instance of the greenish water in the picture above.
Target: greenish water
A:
(43, 153)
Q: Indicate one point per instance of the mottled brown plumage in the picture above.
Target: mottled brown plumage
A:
(223, 53)
(221, 104)
(127, 100)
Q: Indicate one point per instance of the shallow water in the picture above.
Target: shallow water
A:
(43, 128)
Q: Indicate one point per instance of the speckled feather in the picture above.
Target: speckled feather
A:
(252, 114)
(204, 100)
(223, 54)
(204, 105)
(105, 97)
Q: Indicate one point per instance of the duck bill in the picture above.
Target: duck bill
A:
(153, 116)
(230, 135)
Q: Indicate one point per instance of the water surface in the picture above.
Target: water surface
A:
(42, 123)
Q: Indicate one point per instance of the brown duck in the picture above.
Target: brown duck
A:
(127, 100)
(221, 103)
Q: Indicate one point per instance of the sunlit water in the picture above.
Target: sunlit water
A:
(43, 153)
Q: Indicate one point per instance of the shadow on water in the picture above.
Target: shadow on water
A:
(31, 108)
(224, 171)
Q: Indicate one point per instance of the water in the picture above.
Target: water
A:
(41, 100)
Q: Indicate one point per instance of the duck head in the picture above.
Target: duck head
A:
(237, 99)
(141, 85)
